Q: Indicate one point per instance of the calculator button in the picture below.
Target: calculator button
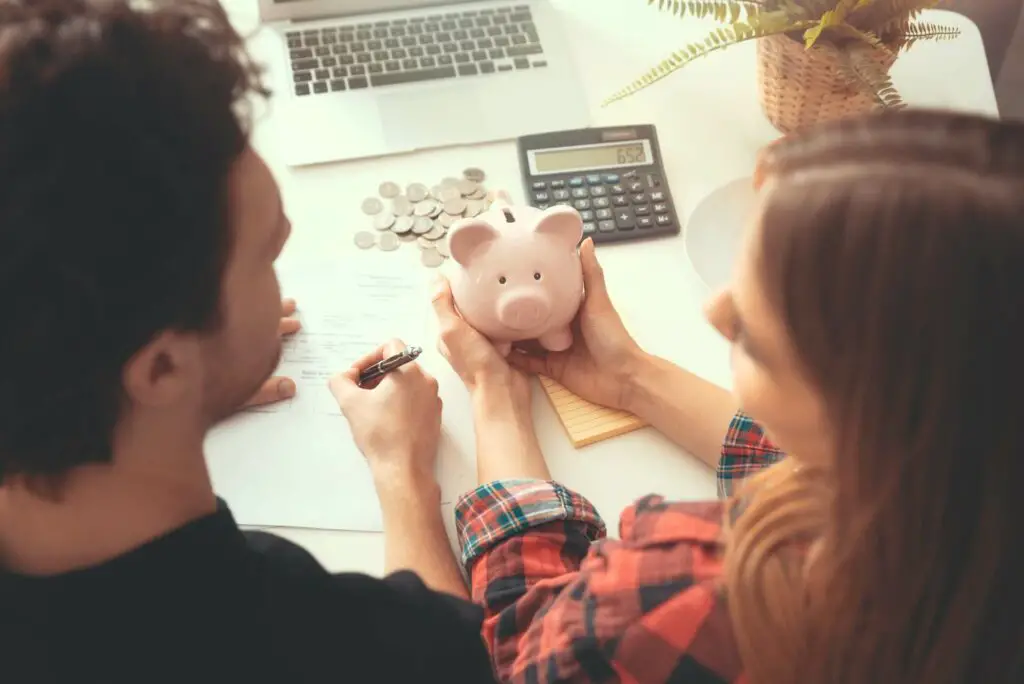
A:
(620, 201)
(541, 197)
(643, 210)
(644, 222)
(580, 192)
(624, 219)
(601, 202)
(611, 178)
(640, 199)
(563, 203)
(539, 185)
(663, 219)
(653, 181)
(660, 208)
(616, 190)
(594, 179)
(543, 206)
(589, 228)
(606, 226)
(555, 184)
(636, 186)
(560, 194)
(576, 182)
(582, 204)
(598, 191)
(587, 215)
(658, 196)
(604, 214)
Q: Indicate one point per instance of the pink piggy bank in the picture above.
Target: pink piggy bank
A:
(517, 274)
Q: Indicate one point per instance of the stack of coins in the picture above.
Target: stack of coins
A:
(422, 215)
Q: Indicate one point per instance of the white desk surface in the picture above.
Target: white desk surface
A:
(710, 128)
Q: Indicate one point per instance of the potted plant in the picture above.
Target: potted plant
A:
(817, 59)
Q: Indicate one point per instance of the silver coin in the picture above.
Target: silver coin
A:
(400, 206)
(446, 220)
(384, 220)
(388, 242)
(408, 237)
(365, 239)
(431, 258)
(424, 207)
(450, 192)
(416, 192)
(467, 187)
(403, 224)
(388, 189)
(474, 174)
(372, 206)
(455, 207)
(424, 243)
(474, 208)
(436, 233)
(435, 191)
(479, 194)
(449, 181)
(422, 225)
(438, 208)
(442, 247)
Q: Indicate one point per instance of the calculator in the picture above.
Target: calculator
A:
(613, 176)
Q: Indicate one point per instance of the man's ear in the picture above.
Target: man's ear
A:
(468, 236)
(162, 371)
(562, 222)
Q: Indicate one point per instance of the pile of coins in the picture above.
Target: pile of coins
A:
(423, 214)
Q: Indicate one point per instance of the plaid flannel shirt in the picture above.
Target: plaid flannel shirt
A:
(564, 604)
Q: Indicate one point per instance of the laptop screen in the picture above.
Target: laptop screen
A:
(278, 10)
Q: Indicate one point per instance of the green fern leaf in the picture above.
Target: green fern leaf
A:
(716, 40)
(859, 60)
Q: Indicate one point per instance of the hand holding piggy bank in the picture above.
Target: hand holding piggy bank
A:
(517, 274)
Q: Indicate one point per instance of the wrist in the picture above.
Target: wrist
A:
(640, 379)
(404, 482)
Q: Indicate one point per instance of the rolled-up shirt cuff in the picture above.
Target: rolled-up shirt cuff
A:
(498, 510)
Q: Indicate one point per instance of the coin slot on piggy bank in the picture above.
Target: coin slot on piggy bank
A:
(517, 274)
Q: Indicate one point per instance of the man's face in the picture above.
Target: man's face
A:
(245, 349)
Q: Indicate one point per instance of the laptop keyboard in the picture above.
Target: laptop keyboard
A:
(439, 46)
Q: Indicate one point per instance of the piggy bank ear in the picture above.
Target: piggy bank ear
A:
(562, 222)
(466, 237)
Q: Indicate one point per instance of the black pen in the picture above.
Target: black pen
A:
(382, 368)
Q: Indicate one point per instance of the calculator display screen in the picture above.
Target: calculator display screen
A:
(570, 159)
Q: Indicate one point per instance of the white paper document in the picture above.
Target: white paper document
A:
(294, 464)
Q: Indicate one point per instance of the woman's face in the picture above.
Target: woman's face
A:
(767, 378)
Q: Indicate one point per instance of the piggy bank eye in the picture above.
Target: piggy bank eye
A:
(536, 276)
(502, 280)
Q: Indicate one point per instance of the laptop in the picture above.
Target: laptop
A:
(374, 77)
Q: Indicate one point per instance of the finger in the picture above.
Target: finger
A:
(593, 274)
(273, 390)
(444, 305)
(288, 326)
(288, 307)
(529, 364)
(394, 346)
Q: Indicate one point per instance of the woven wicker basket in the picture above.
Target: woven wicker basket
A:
(800, 87)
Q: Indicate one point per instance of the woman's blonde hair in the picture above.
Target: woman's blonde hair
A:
(892, 248)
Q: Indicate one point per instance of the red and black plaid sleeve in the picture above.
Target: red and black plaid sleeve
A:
(562, 606)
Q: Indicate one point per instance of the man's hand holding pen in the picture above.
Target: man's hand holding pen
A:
(395, 417)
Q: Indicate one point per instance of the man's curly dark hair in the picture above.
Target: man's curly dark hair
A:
(118, 129)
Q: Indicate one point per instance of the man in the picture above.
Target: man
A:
(138, 232)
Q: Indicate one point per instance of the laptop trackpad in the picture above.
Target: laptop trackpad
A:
(430, 119)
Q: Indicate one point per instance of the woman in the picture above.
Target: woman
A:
(877, 328)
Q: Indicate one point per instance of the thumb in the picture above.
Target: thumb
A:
(444, 305)
(593, 275)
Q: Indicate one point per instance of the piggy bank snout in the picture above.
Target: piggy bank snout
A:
(523, 310)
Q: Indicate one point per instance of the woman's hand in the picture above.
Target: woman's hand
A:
(471, 355)
(278, 388)
(603, 359)
(396, 422)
